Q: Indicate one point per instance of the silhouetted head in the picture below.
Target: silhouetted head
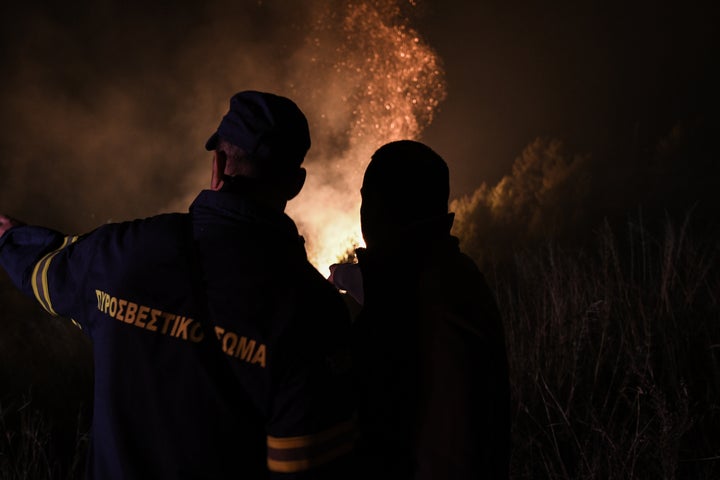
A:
(259, 147)
(405, 188)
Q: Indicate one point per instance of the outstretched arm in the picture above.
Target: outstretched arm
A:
(30, 254)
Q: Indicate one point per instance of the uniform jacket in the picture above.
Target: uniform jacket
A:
(205, 365)
(431, 365)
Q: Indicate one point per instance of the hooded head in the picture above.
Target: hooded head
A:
(405, 189)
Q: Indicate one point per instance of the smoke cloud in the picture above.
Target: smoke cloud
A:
(107, 105)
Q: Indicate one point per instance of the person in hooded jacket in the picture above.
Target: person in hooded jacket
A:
(429, 351)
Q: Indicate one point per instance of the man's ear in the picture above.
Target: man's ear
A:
(295, 183)
(218, 170)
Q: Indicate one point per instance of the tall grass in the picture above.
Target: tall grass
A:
(45, 391)
(614, 357)
(614, 354)
(33, 446)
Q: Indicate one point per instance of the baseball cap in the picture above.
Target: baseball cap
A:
(266, 126)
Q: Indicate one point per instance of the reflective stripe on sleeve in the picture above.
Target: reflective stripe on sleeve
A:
(39, 276)
(295, 454)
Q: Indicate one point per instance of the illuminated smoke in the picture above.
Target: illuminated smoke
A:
(107, 105)
(541, 196)
(373, 80)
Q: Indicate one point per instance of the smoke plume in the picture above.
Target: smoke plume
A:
(107, 105)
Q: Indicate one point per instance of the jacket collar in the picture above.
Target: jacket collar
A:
(230, 206)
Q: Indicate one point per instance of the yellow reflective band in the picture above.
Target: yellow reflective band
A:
(293, 466)
(295, 454)
(309, 440)
(36, 280)
(33, 281)
(39, 277)
(45, 283)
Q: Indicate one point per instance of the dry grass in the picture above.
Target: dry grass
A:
(614, 355)
(34, 448)
(614, 358)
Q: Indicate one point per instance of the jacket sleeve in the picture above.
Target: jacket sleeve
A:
(311, 432)
(46, 265)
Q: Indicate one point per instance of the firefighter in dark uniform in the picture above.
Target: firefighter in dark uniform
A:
(429, 344)
(205, 366)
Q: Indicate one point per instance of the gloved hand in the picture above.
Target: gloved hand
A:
(348, 277)
(6, 223)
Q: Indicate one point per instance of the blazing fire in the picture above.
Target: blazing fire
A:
(379, 82)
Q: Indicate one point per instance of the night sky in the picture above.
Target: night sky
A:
(106, 105)
(597, 75)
